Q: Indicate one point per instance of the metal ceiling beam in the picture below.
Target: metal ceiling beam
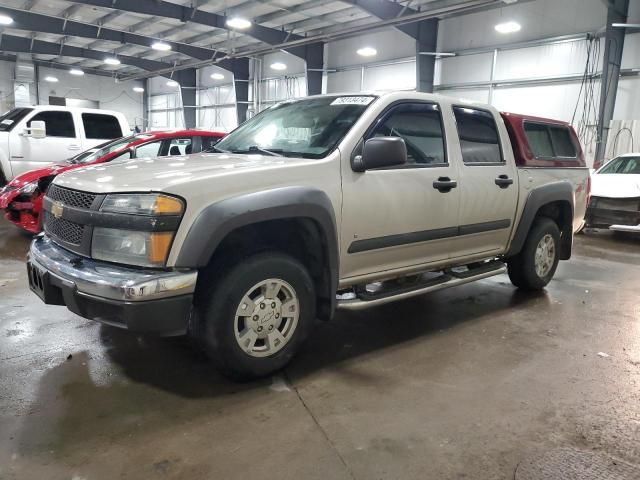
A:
(162, 8)
(37, 22)
(387, 10)
(10, 43)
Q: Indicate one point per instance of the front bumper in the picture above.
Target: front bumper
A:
(141, 300)
(613, 213)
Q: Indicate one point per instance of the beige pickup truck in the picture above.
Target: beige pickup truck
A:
(322, 203)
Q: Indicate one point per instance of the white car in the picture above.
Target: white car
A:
(615, 195)
(32, 137)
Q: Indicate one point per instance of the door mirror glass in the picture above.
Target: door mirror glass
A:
(379, 152)
(37, 129)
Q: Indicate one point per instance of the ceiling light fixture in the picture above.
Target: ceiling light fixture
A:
(161, 46)
(112, 61)
(50, 79)
(367, 52)
(76, 71)
(172, 83)
(508, 27)
(217, 76)
(5, 20)
(238, 22)
(278, 66)
(138, 89)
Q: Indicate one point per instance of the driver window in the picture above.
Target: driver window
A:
(420, 126)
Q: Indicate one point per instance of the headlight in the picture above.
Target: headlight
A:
(143, 204)
(29, 188)
(135, 247)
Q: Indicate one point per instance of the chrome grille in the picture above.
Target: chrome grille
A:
(65, 230)
(72, 198)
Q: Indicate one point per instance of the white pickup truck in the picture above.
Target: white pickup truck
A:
(32, 137)
(323, 203)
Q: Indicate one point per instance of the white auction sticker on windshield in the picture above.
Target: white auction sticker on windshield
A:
(6, 122)
(352, 101)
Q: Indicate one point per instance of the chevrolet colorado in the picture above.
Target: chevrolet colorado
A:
(317, 204)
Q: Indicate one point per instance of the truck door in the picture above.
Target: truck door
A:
(401, 216)
(62, 142)
(488, 183)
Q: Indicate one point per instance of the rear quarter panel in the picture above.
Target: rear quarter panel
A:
(534, 177)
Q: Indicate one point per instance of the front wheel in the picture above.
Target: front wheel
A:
(256, 314)
(534, 267)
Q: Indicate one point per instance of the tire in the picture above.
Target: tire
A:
(522, 268)
(3, 179)
(230, 339)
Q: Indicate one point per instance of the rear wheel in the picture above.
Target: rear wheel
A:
(3, 179)
(254, 318)
(534, 267)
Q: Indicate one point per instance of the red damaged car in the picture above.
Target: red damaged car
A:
(21, 198)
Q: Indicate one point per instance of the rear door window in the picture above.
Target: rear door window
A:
(149, 150)
(101, 126)
(180, 146)
(479, 138)
(58, 123)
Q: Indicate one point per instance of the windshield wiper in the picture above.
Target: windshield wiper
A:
(275, 152)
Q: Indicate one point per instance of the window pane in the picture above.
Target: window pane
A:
(479, 139)
(97, 126)
(420, 127)
(149, 150)
(539, 139)
(59, 124)
(562, 144)
(180, 146)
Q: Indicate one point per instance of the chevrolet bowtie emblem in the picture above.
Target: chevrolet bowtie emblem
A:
(56, 209)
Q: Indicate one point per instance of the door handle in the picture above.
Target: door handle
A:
(74, 147)
(444, 184)
(503, 181)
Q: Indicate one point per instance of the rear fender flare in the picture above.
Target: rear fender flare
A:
(539, 197)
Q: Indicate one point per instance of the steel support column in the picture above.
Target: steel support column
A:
(314, 58)
(617, 12)
(240, 68)
(426, 41)
(188, 92)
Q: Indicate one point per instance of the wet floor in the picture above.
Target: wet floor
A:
(459, 384)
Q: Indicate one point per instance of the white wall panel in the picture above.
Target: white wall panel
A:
(104, 90)
(401, 76)
(631, 51)
(467, 68)
(480, 95)
(539, 19)
(564, 58)
(6, 85)
(390, 44)
(347, 81)
(628, 100)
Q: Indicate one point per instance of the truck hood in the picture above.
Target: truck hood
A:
(615, 185)
(163, 173)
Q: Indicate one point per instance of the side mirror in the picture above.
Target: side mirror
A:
(381, 152)
(37, 129)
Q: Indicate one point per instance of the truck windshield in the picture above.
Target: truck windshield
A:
(629, 165)
(95, 153)
(12, 117)
(308, 128)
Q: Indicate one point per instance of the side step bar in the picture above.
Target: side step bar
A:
(448, 279)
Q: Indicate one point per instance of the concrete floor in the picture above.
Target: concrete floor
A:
(460, 384)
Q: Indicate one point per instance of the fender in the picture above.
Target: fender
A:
(538, 197)
(216, 221)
